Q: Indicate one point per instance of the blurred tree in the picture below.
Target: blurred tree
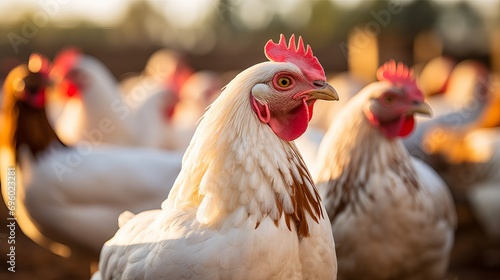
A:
(142, 25)
(414, 17)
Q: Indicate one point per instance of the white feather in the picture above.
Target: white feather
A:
(217, 222)
(385, 226)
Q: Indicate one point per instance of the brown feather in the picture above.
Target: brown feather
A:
(304, 202)
(33, 129)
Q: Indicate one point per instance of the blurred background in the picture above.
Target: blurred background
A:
(214, 33)
(229, 35)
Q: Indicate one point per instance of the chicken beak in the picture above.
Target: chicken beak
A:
(422, 108)
(323, 91)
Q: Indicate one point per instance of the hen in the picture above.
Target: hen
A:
(392, 216)
(72, 195)
(99, 112)
(95, 110)
(244, 205)
(164, 67)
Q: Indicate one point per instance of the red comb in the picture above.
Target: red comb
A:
(63, 62)
(300, 56)
(399, 75)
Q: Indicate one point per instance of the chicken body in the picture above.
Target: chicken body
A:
(97, 112)
(392, 216)
(73, 195)
(101, 113)
(244, 205)
(76, 199)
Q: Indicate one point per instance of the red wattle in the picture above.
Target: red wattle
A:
(70, 88)
(407, 126)
(399, 128)
(287, 126)
(292, 125)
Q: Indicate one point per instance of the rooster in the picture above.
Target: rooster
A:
(392, 216)
(70, 197)
(244, 205)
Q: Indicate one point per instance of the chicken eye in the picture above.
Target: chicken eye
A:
(388, 99)
(284, 82)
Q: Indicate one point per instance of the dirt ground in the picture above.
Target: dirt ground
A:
(474, 257)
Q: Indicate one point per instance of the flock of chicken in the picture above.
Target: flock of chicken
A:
(165, 176)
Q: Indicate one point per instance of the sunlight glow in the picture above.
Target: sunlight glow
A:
(255, 14)
(104, 13)
(186, 13)
(294, 13)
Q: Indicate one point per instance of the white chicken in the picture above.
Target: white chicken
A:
(100, 113)
(164, 66)
(196, 94)
(244, 205)
(73, 195)
(392, 216)
(95, 111)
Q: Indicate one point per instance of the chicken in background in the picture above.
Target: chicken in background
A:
(244, 205)
(95, 110)
(100, 112)
(164, 67)
(392, 216)
(195, 96)
(165, 70)
(68, 198)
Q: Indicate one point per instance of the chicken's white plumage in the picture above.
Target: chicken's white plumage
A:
(392, 216)
(76, 197)
(72, 195)
(243, 207)
(106, 115)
